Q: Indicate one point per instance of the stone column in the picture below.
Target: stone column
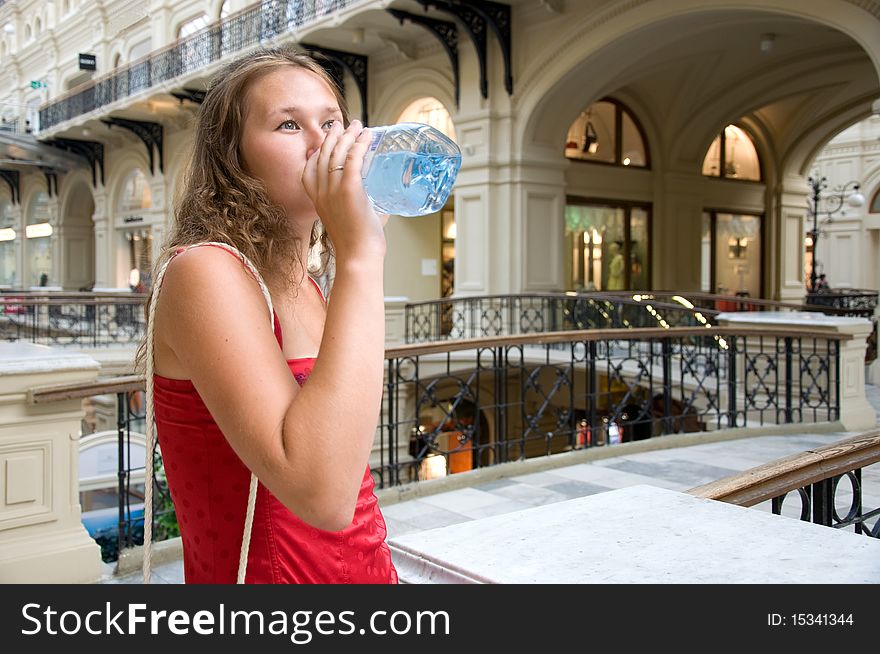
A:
(395, 321)
(791, 227)
(104, 260)
(676, 261)
(41, 537)
(509, 213)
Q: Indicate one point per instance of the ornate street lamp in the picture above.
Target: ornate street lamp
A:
(830, 204)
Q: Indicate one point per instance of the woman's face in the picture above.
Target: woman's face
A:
(287, 115)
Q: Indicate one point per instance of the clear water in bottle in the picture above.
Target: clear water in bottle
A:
(409, 169)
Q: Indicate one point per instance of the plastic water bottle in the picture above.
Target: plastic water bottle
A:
(409, 169)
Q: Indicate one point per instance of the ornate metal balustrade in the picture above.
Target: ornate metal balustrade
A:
(815, 477)
(72, 319)
(509, 315)
(261, 22)
(457, 406)
(850, 302)
(451, 407)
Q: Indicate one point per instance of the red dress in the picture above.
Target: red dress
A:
(209, 487)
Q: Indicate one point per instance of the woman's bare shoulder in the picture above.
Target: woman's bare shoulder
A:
(206, 282)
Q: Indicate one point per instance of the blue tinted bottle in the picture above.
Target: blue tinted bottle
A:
(409, 169)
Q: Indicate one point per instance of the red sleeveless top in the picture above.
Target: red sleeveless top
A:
(209, 487)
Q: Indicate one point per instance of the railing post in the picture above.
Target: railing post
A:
(592, 388)
(391, 424)
(502, 448)
(122, 472)
(667, 385)
(789, 378)
(823, 502)
(731, 383)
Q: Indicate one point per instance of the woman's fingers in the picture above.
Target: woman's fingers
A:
(354, 158)
(324, 154)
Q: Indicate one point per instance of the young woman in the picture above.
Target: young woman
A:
(294, 400)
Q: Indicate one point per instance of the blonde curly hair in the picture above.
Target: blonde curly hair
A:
(219, 201)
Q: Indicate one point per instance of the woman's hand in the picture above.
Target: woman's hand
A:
(332, 179)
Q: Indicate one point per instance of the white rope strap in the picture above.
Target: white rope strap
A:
(151, 423)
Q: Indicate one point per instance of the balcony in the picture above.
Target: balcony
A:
(175, 65)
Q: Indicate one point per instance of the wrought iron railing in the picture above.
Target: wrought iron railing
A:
(488, 401)
(815, 476)
(261, 22)
(456, 406)
(72, 319)
(507, 315)
(850, 302)
(530, 313)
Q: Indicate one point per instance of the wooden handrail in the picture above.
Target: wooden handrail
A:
(59, 392)
(782, 476)
(631, 334)
(45, 394)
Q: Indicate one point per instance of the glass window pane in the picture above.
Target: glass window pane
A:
(429, 111)
(706, 254)
(192, 26)
(135, 193)
(7, 245)
(741, 158)
(738, 254)
(7, 263)
(611, 239)
(633, 146)
(875, 203)
(39, 253)
(638, 249)
(38, 210)
(712, 162)
(591, 136)
(595, 237)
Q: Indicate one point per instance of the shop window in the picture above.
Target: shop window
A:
(731, 262)
(733, 155)
(608, 245)
(140, 259)
(607, 132)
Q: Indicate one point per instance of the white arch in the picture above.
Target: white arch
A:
(600, 29)
(71, 180)
(594, 36)
(410, 86)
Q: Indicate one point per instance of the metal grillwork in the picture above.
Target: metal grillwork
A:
(830, 503)
(257, 24)
(477, 403)
(850, 302)
(830, 482)
(509, 315)
(131, 416)
(72, 319)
